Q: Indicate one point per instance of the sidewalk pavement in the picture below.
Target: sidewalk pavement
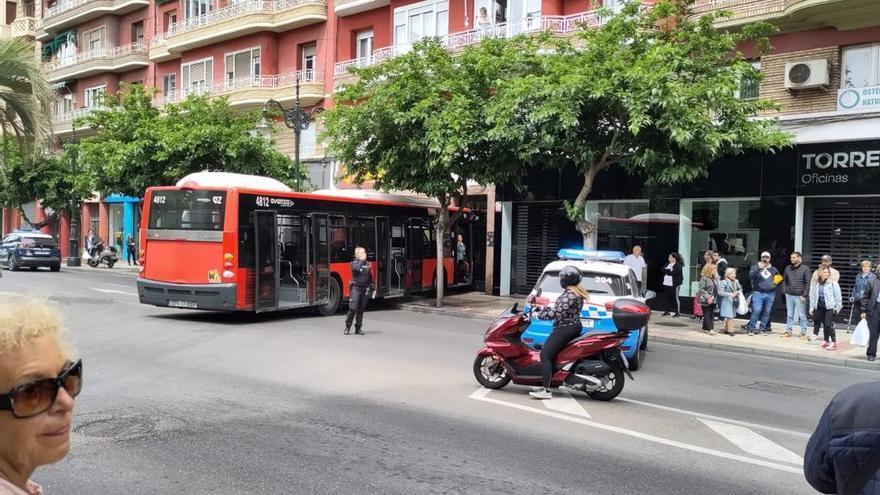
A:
(683, 331)
(118, 267)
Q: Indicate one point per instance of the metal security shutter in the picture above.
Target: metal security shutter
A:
(849, 234)
(536, 237)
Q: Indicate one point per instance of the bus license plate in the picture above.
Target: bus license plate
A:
(587, 323)
(184, 304)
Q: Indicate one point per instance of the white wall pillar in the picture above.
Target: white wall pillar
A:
(686, 211)
(799, 224)
(506, 246)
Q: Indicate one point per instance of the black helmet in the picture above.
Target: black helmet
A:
(569, 276)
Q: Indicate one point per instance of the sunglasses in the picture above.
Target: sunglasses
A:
(35, 398)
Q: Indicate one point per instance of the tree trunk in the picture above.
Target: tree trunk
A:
(441, 226)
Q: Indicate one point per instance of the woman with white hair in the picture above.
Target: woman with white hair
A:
(38, 384)
(360, 287)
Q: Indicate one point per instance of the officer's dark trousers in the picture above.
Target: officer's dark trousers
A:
(357, 303)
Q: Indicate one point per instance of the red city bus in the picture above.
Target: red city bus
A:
(232, 242)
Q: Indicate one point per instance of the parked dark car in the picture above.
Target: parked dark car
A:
(27, 249)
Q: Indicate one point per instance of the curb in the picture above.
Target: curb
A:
(791, 356)
(88, 269)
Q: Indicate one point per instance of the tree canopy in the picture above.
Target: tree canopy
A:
(25, 94)
(651, 90)
(138, 145)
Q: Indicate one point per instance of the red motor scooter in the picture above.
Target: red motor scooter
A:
(591, 363)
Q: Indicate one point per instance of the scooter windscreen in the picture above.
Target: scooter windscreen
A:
(630, 314)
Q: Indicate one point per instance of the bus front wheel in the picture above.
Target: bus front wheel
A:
(332, 306)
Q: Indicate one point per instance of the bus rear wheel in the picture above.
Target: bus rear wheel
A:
(332, 306)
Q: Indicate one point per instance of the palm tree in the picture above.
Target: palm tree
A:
(25, 95)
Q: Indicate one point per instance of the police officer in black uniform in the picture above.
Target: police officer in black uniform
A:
(360, 289)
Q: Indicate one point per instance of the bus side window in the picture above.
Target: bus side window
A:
(338, 242)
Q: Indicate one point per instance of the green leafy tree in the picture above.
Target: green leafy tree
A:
(652, 91)
(417, 123)
(138, 145)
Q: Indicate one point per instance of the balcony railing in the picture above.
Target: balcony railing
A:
(553, 24)
(245, 83)
(104, 52)
(24, 26)
(237, 9)
(64, 6)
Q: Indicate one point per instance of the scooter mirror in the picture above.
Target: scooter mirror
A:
(538, 292)
(630, 314)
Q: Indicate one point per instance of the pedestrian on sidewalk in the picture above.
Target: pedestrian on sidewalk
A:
(825, 302)
(461, 264)
(361, 287)
(729, 290)
(763, 277)
(825, 262)
(708, 293)
(871, 307)
(796, 286)
(721, 265)
(673, 276)
(863, 280)
(130, 256)
(638, 265)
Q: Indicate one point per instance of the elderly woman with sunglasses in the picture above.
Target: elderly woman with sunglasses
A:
(38, 384)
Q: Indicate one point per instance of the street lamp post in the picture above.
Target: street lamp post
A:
(295, 118)
(73, 258)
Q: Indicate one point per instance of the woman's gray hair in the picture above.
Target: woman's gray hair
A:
(23, 321)
(729, 271)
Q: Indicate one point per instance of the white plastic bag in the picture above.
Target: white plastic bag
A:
(742, 306)
(860, 334)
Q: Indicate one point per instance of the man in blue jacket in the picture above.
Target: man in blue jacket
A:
(763, 277)
(843, 455)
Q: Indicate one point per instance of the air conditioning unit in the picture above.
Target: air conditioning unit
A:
(806, 74)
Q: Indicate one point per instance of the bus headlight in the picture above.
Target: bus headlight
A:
(228, 274)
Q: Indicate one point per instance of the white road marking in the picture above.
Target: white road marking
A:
(481, 395)
(112, 291)
(751, 442)
(716, 418)
(563, 402)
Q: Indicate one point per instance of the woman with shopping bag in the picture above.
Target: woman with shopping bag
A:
(825, 302)
(730, 296)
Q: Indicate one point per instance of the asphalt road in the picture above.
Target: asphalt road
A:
(190, 402)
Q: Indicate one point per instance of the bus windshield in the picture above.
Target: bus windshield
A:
(187, 210)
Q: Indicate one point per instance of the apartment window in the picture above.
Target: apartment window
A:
(420, 20)
(750, 87)
(137, 32)
(93, 95)
(364, 44)
(614, 5)
(309, 61)
(64, 105)
(169, 84)
(243, 65)
(170, 18)
(198, 76)
(195, 8)
(861, 66)
(94, 39)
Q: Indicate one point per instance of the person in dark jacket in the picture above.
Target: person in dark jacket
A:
(863, 278)
(721, 265)
(843, 454)
(360, 288)
(673, 276)
(871, 311)
(796, 286)
(763, 277)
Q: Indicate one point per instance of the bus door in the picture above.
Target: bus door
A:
(397, 268)
(319, 267)
(266, 279)
(383, 255)
(415, 252)
(295, 255)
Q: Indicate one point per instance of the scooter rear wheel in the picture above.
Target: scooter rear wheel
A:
(490, 373)
(613, 389)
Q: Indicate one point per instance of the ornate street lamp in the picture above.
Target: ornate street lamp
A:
(73, 256)
(295, 118)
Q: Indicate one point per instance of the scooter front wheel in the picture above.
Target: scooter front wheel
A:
(612, 388)
(490, 373)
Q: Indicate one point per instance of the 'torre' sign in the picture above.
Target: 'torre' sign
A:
(852, 164)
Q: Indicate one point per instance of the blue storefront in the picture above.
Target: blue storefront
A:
(124, 219)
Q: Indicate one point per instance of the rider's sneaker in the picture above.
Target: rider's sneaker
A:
(541, 394)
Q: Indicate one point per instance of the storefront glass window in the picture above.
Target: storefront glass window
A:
(621, 224)
(116, 225)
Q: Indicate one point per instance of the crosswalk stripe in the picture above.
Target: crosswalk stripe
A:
(563, 402)
(752, 443)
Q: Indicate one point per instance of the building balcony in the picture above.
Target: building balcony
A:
(350, 7)
(558, 25)
(24, 27)
(62, 125)
(117, 59)
(241, 18)
(253, 92)
(68, 13)
(794, 15)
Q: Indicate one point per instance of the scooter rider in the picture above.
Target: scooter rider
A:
(566, 316)
(361, 287)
